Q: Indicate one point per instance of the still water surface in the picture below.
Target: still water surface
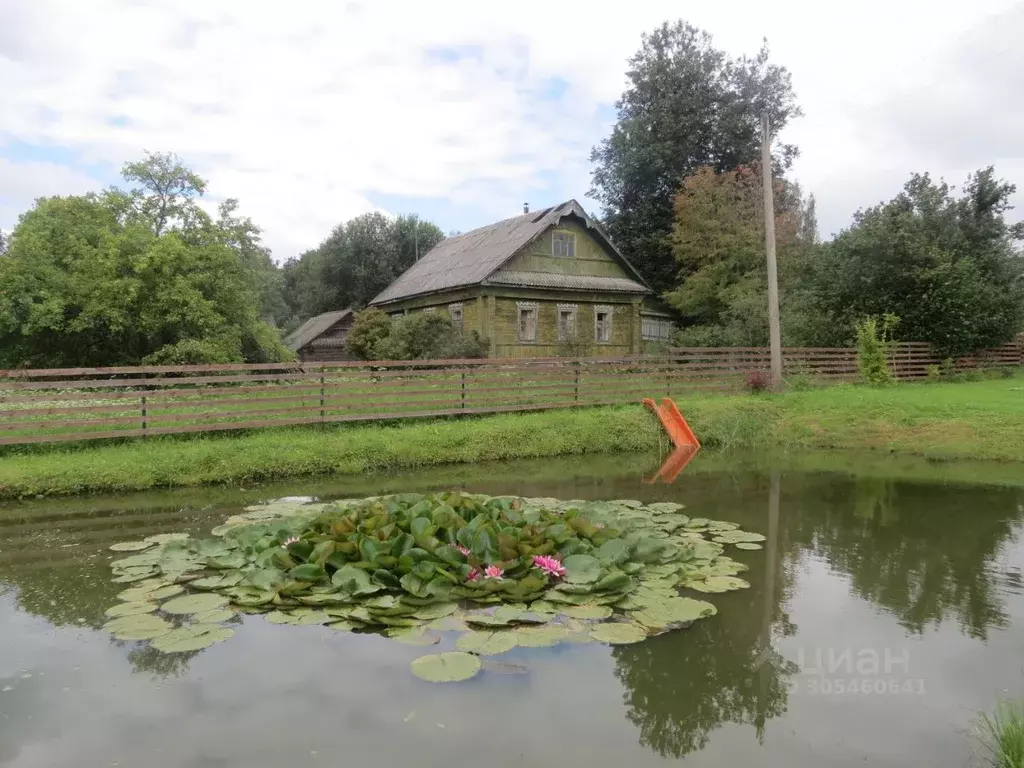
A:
(884, 613)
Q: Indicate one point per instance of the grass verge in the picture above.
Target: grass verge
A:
(1002, 735)
(976, 420)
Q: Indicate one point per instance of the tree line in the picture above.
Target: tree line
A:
(145, 274)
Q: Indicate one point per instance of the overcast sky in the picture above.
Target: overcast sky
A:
(313, 112)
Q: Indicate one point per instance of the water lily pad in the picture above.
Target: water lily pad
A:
(216, 616)
(345, 626)
(582, 569)
(486, 643)
(541, 637)
(136, 594)
(588, 611)
(435, 611)
(192, 638)
(448, 624)
(194, 604)
(748, 545)
(166, 538)
(138, 627)
(737, 537)
(718, 584)
(280, 617)
(131, 546)
(414, 636)
(485, 620)
(163, 593)
(618, 633)
(130, 609)
(450, 667)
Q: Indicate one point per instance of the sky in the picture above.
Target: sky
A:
(313, 112)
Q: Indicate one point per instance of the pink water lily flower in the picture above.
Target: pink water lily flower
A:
(290, 540)
(464, 550)
(550, 565)
(493, 572)
(473, 575)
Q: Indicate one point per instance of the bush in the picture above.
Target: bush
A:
(933, 372)
(419, 336)
(874, 345)
(758, 381)
(370, 327)
(193, 352)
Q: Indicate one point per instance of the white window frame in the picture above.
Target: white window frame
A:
(521, 308)
(455, 310)
(430, 309)
(566, 238)
(608, 323)
(573, 330)
(655, 328)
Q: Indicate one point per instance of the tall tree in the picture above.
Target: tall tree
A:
(947, 265)
(718, 247)
(687, 105)
(129, 277)
(165, 192)
(358, 260)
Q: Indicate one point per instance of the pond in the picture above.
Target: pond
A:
(885, 611)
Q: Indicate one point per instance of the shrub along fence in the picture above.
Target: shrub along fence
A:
(52, 405)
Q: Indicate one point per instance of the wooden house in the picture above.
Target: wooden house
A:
(541, 284)
(322, 338)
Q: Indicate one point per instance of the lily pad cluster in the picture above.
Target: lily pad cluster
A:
(504, 572)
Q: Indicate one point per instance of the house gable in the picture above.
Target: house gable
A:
(591, 257)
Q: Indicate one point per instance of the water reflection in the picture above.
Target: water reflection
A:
(938, 563)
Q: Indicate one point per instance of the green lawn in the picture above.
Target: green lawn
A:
(978, 420)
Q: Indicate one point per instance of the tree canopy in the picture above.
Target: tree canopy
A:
(357, 261)
(718, 244)
(687, 105)
(947, 265)
(139, 276)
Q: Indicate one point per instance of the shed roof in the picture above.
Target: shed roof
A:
(472, 258)
(313, 327)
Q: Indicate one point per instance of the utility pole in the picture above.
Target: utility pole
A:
(416, 236)
(774, 333)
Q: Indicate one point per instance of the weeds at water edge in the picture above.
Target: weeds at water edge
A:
(1001, 735)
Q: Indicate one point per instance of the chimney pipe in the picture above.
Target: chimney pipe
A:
(526, 207)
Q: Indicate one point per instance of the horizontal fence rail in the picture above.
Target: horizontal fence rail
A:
(70, 404)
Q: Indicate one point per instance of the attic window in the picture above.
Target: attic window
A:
(563, 244)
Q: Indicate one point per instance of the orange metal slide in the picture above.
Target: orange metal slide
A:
(678, 430)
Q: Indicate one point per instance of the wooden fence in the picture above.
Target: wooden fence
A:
(51, 405)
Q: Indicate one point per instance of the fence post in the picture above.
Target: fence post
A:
(143, 405)
(322, 415)
(576, 385)
(463, 403)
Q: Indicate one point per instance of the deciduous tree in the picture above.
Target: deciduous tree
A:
(687, 105)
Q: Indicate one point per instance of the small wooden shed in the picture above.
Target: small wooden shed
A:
(322, 338)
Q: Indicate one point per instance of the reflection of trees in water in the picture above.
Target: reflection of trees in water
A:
(681, 686)
(921, 551)
(147, 659)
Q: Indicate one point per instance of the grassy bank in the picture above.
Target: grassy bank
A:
(979, 420)
(281, 453)
(969, 420)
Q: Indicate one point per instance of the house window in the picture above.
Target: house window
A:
(430, 309)
(456, 313)
(563, 244)
(656, 329)
(603, 325)
(566, 322)
(527, 328)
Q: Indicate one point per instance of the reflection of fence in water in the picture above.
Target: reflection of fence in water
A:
(49, 405)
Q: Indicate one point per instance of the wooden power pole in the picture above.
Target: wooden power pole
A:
(774, 332)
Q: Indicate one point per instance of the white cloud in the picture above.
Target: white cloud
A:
(23, 182)
(308, 111)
